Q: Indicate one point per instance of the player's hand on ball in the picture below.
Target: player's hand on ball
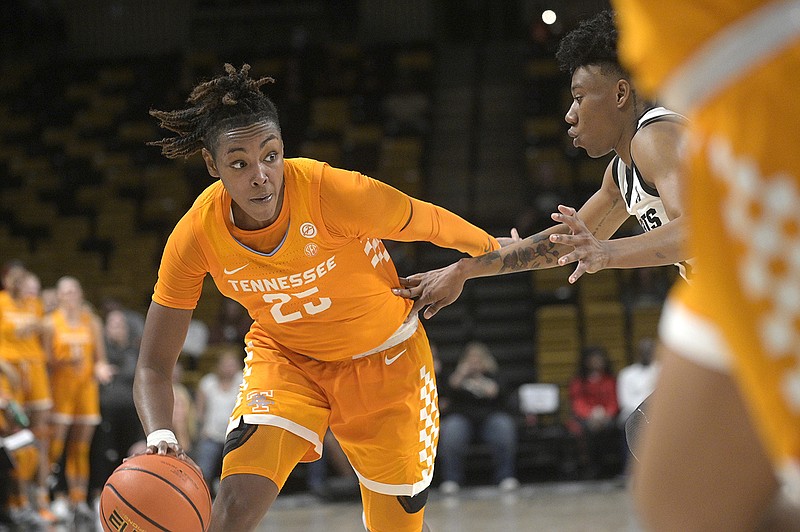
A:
(174, 449)
(163, 447)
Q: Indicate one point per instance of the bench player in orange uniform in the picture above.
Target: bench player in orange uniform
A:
(297, 243)
(21, 315)
(73, 340)
(722, 451)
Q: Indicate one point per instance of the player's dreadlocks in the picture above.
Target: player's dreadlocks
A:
(225, 102)
(593, 42)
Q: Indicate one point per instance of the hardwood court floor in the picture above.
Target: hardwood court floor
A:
(558, 507)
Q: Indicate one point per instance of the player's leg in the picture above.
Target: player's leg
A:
(393, 513)
(282, 416)
(257, 461)
(500, 431)
(59, 430)
(384, 414)
(58, 440)
(242, 502)
(77, 469)
(38, 403)
(699, 421)
(26, 458)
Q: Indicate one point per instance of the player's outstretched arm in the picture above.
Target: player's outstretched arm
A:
(162, 340)
(434, 290)
(601, 216)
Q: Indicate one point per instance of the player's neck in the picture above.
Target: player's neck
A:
(623, 145)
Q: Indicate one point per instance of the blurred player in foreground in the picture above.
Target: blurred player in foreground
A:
(297, 243)
(722, 451)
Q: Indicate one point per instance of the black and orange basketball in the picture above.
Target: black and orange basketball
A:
(155, 492)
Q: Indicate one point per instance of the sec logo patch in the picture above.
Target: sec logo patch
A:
(311, 249)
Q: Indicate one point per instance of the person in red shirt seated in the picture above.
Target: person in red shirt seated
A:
(593, 401)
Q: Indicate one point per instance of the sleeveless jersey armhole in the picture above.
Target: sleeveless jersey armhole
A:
(615, 171)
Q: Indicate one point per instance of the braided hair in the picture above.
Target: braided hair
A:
(593, 42)
(220, 104)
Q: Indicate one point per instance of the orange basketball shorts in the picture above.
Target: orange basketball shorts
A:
(382, 408)
(75, 400)
(36, 386)
(33, 391)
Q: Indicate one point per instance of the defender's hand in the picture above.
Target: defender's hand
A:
(432, 290)
(588, 252)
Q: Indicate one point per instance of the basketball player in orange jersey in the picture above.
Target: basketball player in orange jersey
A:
(21, 347)
(73, 341)
(607, 114)
(722, 450)
(297, 243)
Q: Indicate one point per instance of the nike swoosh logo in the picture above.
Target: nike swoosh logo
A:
(390, 360)
(231, 272)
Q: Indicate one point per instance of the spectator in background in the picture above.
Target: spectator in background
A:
(134, 318)
(476, 404)
(215, 398)
(593, 399)
(49, 300)
(120, 427)
(10, 268)
(231, 324)
(638, 380)
(195, 344)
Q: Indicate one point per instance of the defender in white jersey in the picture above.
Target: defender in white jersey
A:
(606, 114)
(641, 198)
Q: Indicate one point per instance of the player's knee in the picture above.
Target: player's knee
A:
(242, 502)
(413, 504)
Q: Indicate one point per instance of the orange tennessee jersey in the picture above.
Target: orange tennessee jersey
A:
(73, 345)
(14, 315)
(654, 54)
(325, 290)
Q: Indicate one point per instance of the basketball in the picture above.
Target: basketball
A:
(155, 492)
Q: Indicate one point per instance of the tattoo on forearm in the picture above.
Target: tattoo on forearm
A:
(539, 252)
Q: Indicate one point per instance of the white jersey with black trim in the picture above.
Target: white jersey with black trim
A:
(641, 198)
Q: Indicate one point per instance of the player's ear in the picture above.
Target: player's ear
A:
(624, 91)
(210, 164)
